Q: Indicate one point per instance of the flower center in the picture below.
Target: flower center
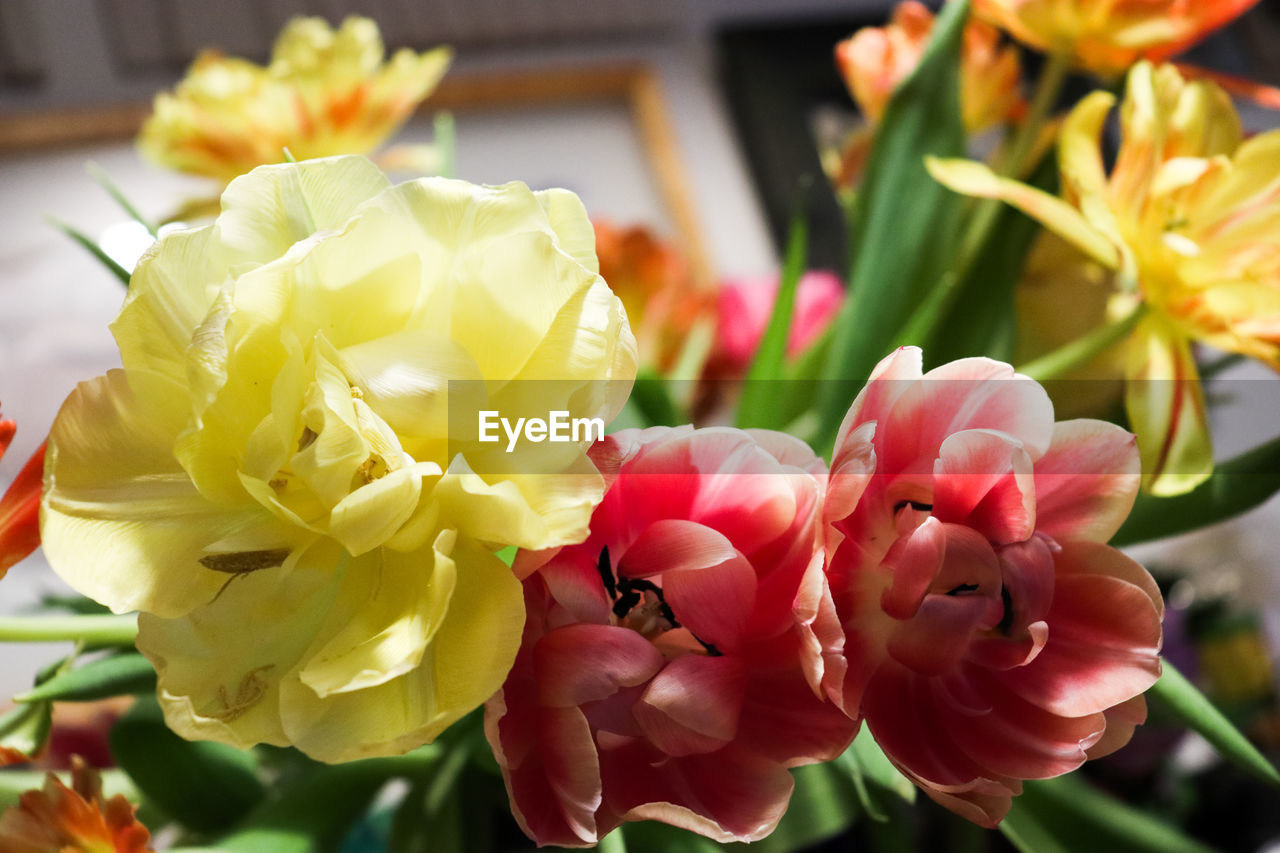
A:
(638, 604)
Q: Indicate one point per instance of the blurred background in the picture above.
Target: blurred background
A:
(694, 118)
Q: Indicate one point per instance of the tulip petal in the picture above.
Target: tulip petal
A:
(471, 652)
(1166, 407)
(1104, 635)
(577, 664)
(122, 521)
(1087, 482)
(976, 179)
(693, 705)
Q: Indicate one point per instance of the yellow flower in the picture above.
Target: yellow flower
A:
(1189, 217)
(286, 476)
(1108, 36)
(324, 92)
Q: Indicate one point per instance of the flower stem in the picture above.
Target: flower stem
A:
(93, 630)
(1068, 357)
(613, 842)
(1052, 76)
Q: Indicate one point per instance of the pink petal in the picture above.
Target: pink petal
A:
(938, 637)
(984, 809)
(1104, 636)
(729, 795)
(673, 545)
(900, 709)
(915, 561)
(982, 478)
(586, 663)
(1087, 481)
(693, 705)
(783, 720)
(1122, 719)
(714, 603)
(1019, 739)
(972, 393)
(891, 377)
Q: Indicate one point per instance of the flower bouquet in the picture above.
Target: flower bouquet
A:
(435, 516)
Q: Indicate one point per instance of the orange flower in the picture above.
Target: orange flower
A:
(876, 59)
(58, 819)
(657, 288)
(20, 506)
(10, 756)
(1108, 36)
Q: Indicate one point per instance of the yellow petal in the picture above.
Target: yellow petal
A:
(464, 664)
(1166, 409)
(121, 521)
(975, 179)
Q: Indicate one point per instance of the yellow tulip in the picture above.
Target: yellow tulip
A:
(1189, 217)
(285, 476)
(1108, 36)
(324, 92)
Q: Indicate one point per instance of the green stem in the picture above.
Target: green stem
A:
(613, 842)
(91, 630)
(446, 142)
(1068, 357)
(921, 326)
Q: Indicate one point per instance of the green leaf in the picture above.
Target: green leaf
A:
(981, 319)
(104, 180)
(93, 249)
(904, 228)
(26, 727)
(1080, 817)
(650, 835)
(206, 786)
(1025, 831)
(1193, 708)
(118, 675)
(1236, 485)
(316, 812)
(652, 398)
(759, 405)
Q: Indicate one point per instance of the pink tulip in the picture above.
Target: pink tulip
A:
(746, 304)
(992, 636)
(676, 663)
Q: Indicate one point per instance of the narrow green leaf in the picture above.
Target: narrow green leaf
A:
(104, 180)
(1025, 831)
(93, 249)
(980, 319)
(759, 405)
(1082, 817)
(904, 229)
(1192, 707)
(118, 675)
(1237, 485)
(206, 786)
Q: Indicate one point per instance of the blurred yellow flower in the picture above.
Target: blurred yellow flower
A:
(286, 477)
(324, 92)
(1189, 217)
(1108, 36)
